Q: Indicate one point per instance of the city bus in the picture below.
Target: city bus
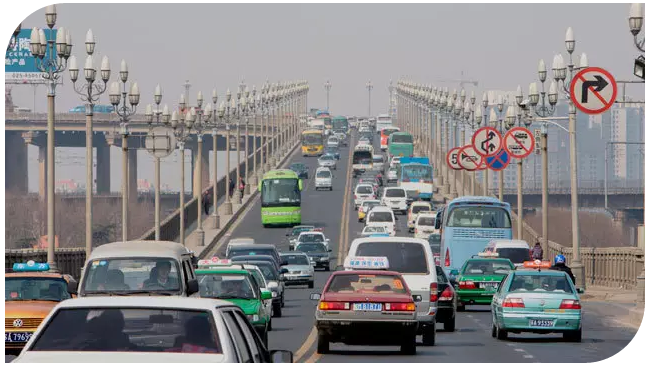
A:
(383, 121)
(467, 224)
(385, 133)
(312, 142)
(401, 144)
(328, 124)
(340, 123)
(362, 158)
(281, 199)
(416, 177)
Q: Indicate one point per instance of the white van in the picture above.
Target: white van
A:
(377, 163)
(382, 216)
(414, 260)
(425, 224)
(362, 192)
(323, 178)
(518, 251)
(396, 198)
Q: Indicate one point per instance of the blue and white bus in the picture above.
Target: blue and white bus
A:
(416, 177)
(467, 224)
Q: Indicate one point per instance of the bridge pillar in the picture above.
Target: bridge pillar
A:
(132, 175)
(15, 162)
(103, 169)
(199, 184)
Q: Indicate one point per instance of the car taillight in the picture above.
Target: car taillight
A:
(447, 295)
(570, 304)
(354, 196)
(447, 261)
(399, 306)
(467, 285)
(433, 292)
(513, 303)
(327, 305)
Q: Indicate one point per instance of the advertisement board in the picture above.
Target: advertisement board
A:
(20, 64)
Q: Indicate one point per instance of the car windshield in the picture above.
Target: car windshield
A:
(540, 283)
(426, 221)
(517, 255)
(478, 217)
(362, 157)
(395, 192)
(326, 157)
(35, 288)
(416, 209)
(259, 278)
(333, 139)
(323, 174)
(131, 275)
(224, 286)
(366, 283)
(311, 237)
(297, 231)
(311, 247)
(368, 203)
(312, 139)
(374, 229)
(364, 189)
(378, 160)
(241, 251)
(130, 330)
(294, 259)
(484, 267)
(380, 216)
(435, 242)
(403, 257)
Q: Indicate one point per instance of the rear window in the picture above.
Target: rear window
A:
(395, 192)
(378, 160)
(250, 251)
(417, 209)
(403, 257)
(323, 174)
(294, 259)
(364, 189)
(380, 216)
(515, 254)
(540, 283)
(310, 238)
(366, 283)
(402, 139)
(484, 267)
(426, 221)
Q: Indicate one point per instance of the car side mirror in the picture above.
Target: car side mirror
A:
(315, 296)
(580, 290)
(326, 239)
(417, 298)
(283, 270)
(272, 284)
(192, 287)
(266, 295)
(73, 287)
(281, 356)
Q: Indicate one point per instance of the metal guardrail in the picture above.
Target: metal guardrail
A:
(582, 191)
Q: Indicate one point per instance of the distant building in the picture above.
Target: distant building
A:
(66, 186)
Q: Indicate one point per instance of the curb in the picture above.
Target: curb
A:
(244, 206)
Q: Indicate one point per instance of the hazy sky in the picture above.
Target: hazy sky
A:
(218, 44)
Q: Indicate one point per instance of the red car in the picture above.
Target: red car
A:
(366, 307)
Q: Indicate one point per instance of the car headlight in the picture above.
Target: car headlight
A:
(273, 294)
(253, 318)
(324, 258)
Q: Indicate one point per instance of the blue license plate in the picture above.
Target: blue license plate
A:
(17, 336)
(541, 323)
(367, 306)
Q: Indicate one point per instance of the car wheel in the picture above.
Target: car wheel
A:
(409, 345)
(327, 268)
(572, 336)
(282, 299)
(264, 338)
(461, 307)
(277, 310)
(493, 330)
(270, 324)
(311, 284)
(501, 334)
(449, 325)
(323, 343)
(428, 338)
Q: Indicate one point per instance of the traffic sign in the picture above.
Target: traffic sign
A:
(160, 142)
(451, 158)
(537, 141)
(593, 90)
(469, 159)
(519, 142)
(486, 141)
(499, 161)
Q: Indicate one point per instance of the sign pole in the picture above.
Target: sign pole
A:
(519, 198)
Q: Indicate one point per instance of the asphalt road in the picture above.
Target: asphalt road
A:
(471, 342)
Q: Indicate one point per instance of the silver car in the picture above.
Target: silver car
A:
(323, 178)
(300, 269)
(327, 161)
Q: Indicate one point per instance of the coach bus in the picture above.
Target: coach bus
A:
(281, 198)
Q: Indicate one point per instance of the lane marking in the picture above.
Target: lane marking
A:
(528, 356)
(519, 350)
(310, 340)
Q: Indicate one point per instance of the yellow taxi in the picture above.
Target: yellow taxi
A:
(31, 292)
(365, 208)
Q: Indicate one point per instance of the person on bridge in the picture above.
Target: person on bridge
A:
(206, 202)
(242, 184)
(537, 252)
(231, 187)
(560, 264)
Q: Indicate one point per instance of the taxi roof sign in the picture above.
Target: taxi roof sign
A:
(214, 262)
(488, 254)
(379, 235)
(31, 266)
(367, 262)
(537, 264)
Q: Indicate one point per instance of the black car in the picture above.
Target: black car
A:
(332, 151)
(317, 253)
(301, 169)
(446, 300)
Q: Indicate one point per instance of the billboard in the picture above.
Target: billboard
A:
(20, 64)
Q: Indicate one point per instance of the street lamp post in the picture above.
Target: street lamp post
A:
(118, 94)
(636, 19)
(255, 106)
(215, 194)
(200, 119)
(89, 93)
(226, 114)
(157, 98)
(51, 66)
(327, 87)
(369, 87)
(182, 124)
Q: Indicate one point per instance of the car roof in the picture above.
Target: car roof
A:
(293, 253)
(303, 226)
(254, 245)
(363, 185)
(140, 248)
(422, 203)
(531, 271)
(509, 243)
(323, 169)
(381, 208)
(312, 232)
(37, 275)
(488, 259)
(365, 271)
(219, 270)
(164, 302)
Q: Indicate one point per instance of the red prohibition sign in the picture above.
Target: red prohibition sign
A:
(511, 135)
(579, 78)
(475, 162)
(449, 159)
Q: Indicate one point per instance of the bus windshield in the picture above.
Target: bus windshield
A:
(478, 217)
(362, 157)
(312, 139)
(388, 131)
(412, 172)
(280, 192)
(402, 139)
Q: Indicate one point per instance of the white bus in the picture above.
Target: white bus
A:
(362, 159)
(383, 121)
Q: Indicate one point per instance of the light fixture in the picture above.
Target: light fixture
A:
(638, 69)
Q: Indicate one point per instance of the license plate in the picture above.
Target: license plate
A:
(541, 323)
(17, 336)
(367, 306)
(489, 286)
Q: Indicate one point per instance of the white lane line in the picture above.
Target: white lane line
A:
(519, 350)
(528, 356)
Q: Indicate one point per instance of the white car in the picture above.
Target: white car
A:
(333, 141)
(425, 225)
(312, 236)
(363, 192)
(328, 161)
(396, 198)
(365, 207)
(300, 269)
(323, 178)
(518, 251)
(382, 216)
(374, 231)
(393, 174)
(147, 329)
(377, 162)
(395, 160)
(364, 141)
(415, 208)
(258, 275)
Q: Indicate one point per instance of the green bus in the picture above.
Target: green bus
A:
(280, 198)
(401, 144)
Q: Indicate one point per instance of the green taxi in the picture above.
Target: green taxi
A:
(479, 278)
(537, 300)
(237, 285)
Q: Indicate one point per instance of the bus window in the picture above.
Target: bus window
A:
(478, 217)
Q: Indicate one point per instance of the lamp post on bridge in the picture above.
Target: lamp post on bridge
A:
(254, 102)
(182, 124)
(118, 94)
(327, 87)
(369, 87)
(636, 19)
(216, 221)
(226, 115)
(89, 93)
(200, 119)
(43, 48)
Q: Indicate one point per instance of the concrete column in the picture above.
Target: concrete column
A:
(103, 169)
(15, 162)
(42, 172)
(199, 185)
(132, 175)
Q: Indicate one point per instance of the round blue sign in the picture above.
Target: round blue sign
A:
(499, 161)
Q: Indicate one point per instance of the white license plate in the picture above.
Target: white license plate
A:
(367, 306)
(489, 286)
(17, 336)
(541, 323)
